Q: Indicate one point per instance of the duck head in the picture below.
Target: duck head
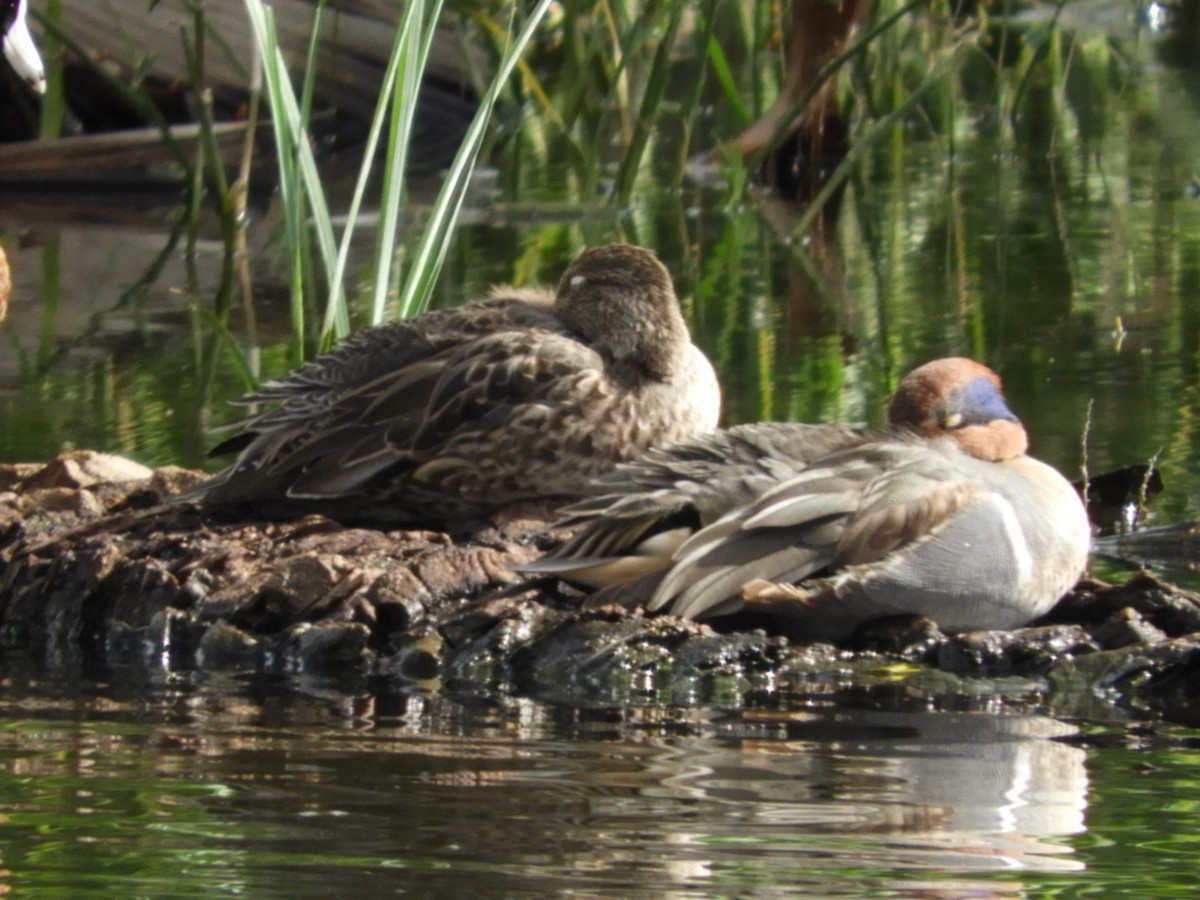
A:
(961, 399)
(19, 46)
(620, 298)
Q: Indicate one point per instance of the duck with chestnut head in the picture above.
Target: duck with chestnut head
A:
(451, 415)
(19, 48)
(943, 515)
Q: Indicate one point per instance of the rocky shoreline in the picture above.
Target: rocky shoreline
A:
(96, 572)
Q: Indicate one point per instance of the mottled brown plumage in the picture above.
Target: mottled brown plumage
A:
(453, 414)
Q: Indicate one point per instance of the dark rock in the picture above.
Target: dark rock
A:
(11, 523)
(95, 571)
(413, 658)
(1125, 627)
(225, 646)
(1161, 680)
(13, 475)
(909, 637)
(399, 598)
(1026, 651)
(1167, 607)
(326, 647)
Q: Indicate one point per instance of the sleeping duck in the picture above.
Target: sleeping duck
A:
(822, 528)
(451, 415)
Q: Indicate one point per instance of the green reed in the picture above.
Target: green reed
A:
(303, 197)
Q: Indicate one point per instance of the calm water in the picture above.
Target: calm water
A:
(1061, 245)
(223, 787)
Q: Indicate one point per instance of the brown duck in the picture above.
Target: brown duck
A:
(451, 415)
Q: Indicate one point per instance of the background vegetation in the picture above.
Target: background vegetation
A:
(1019, 188)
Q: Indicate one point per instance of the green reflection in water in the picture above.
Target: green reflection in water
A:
(211, 787)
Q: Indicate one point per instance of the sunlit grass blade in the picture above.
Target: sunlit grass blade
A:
(395, 59)
(431, 250)
(300, 183)
(418, 28)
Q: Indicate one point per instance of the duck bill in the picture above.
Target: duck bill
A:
(21, 52)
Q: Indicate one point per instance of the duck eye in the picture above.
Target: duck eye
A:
(952, 421)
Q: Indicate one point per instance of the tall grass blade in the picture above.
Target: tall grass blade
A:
(431, 250)
(300, 183)
(395, 59)
(420, 29)
(656, 86)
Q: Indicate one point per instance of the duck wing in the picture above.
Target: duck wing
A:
(437, 420)
(645, 509)
(375, 352)
(848, 511)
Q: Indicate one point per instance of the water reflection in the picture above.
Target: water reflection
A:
(256, 787)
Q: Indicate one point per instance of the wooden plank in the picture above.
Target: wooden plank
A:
(357, 36)
(118, 149)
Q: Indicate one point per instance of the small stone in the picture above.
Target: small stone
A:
(65, 500)
(225, 646)
(328, 646)
(84, 468)
(166, 481)
(1126, 627)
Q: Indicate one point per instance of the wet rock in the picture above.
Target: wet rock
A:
(483, 640)
(100, 572)
(1160, 680)
(909, 637)
(326, 647)
(1127, 627)
(1134, 664)
(1169, 608)
(1024, 651)
(597, 655)
(415, 658)
(225, 646)
(399, 599)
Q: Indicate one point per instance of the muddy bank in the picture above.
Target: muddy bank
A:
(94, 573)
